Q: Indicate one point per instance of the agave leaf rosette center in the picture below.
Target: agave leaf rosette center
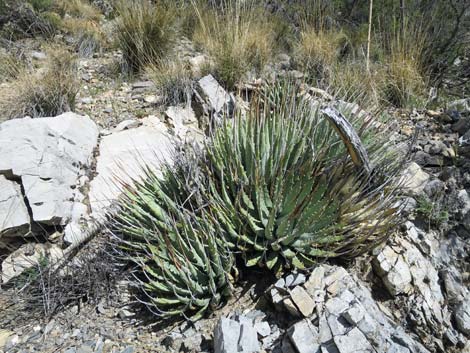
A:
(182, 267)
(284, 189)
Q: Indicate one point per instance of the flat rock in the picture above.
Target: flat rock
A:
(47, 156)
(122, 156)
(353, 342)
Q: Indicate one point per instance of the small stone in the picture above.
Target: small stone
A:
(354, 314)
(293, 280)
(354, 341)
(248, 341)
(304, 337)
(226, 336)
(150, 99)
(462, 316)
(86, 100)
(263, 329)
(280, 284)
(315, 281)
(414, 179)
(303, 301)
(291, 307)
(127, 124)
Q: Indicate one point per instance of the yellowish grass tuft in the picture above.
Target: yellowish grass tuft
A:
(238, 35)
(317, 52)
(173, 79)
(404, 83)
(145, 32)
(78, 9)
(48, 91)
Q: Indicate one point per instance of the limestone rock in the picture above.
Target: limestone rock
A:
(211, 99)
(349, 321)
(47, 156)
(303, 301)
(462, 316)
(26, 257)
(236, 335)
(121, 158)
(13, 211)
(304, 336)
(414, 179)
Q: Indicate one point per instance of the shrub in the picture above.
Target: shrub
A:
(145, 32)
(239, 35)
(22, 21)
(173, 78)
(41, 5)
(46, 92)
(278, 187)
(285, 191)
(182, 264)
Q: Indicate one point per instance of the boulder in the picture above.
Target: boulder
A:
(47, 156)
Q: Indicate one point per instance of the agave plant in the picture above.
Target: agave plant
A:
(182, 267)
(289, 186)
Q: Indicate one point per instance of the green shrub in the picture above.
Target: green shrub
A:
(41, 5)
(182, 262)
(282, 186)
(277, 187)
(145, 32)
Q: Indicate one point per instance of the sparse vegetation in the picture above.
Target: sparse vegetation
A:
(38, 93)
(145, 32)
(238, 35)
(173, 79)
(259, 190)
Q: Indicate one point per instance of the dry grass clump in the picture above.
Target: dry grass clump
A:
(238, 35)
(173, 78)
(145, 32)
(404, 83)
(10, 66)
(317, 51)
(48, 91)
(78, 9)
(88, 36)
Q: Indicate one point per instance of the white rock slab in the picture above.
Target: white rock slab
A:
(48, 155)
(121, 158)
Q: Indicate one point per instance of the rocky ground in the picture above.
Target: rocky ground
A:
(413, 296)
